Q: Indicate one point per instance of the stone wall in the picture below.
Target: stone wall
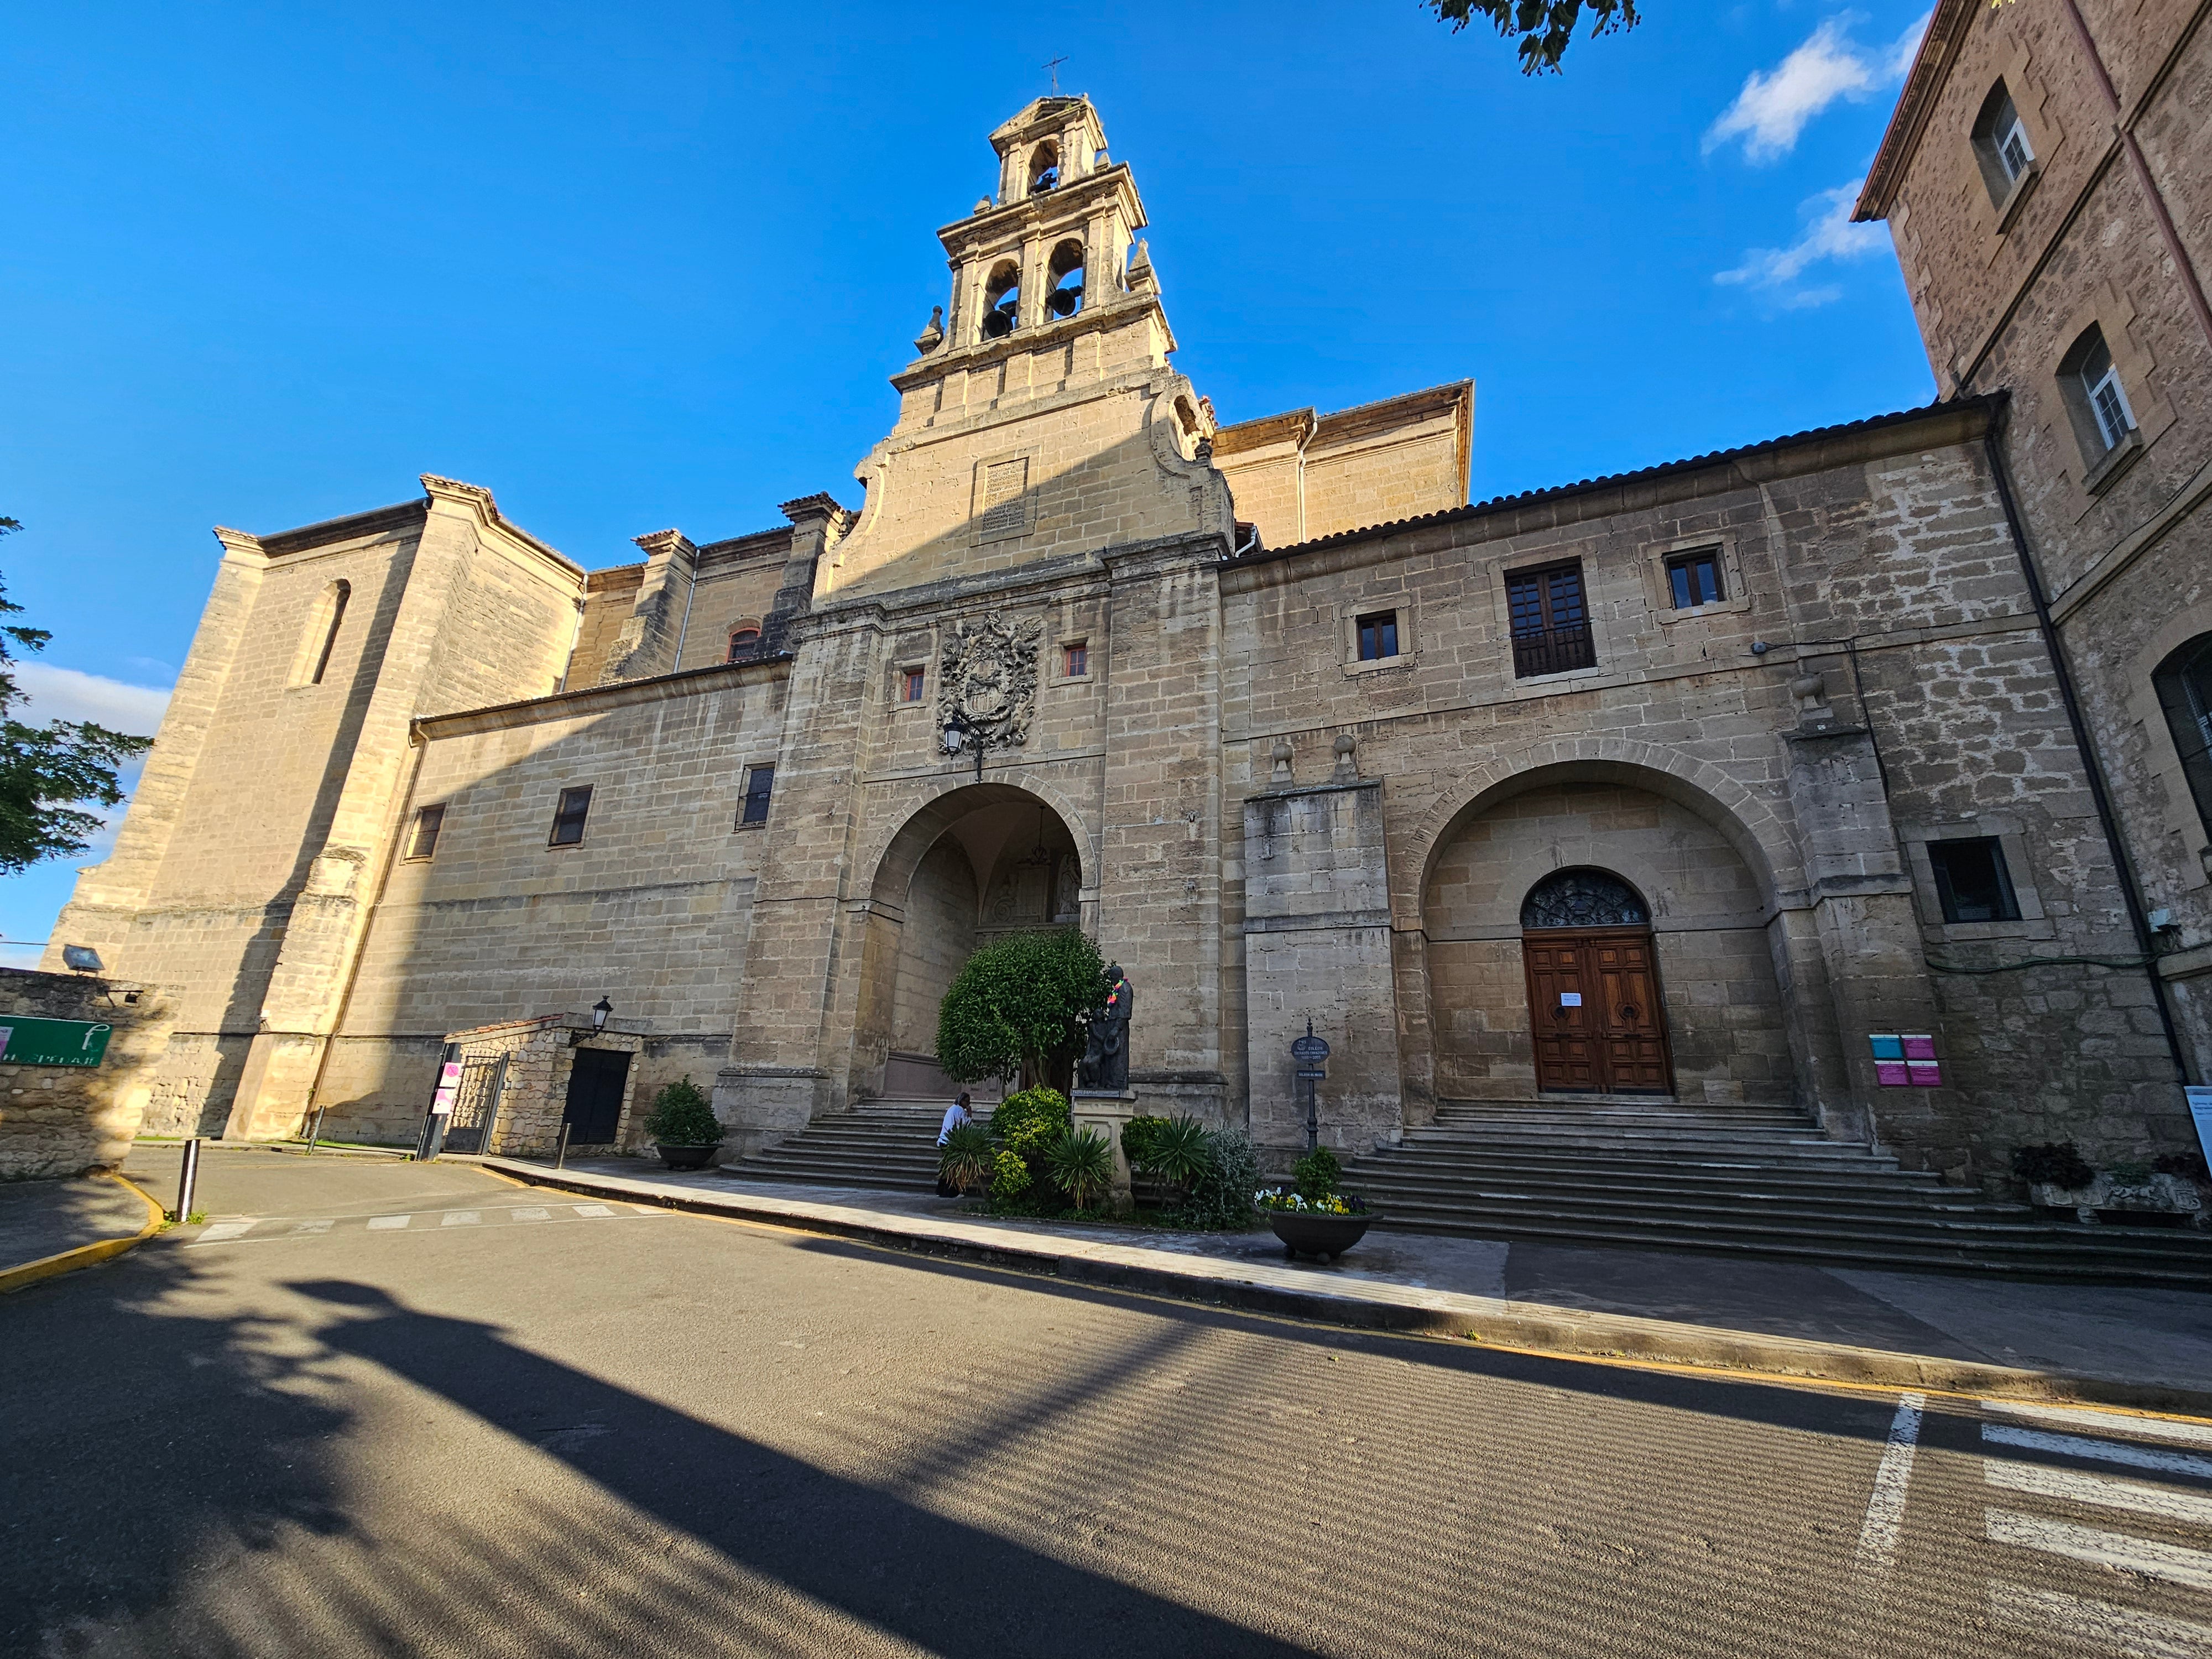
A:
(59, 1121)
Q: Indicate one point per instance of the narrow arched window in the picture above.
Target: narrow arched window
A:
(1065, 297)
(2184, 691)
(2001, 144)
(1002, 300)
(321, 636)
(744, 642)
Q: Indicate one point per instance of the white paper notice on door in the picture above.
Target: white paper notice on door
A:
(1570, 999)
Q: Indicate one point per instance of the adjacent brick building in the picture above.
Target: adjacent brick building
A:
(1685, 782)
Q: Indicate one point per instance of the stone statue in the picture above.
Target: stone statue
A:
(1105, 1066)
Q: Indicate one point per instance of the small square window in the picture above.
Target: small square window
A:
(422, 840)
(1378, 635)
(1695, 578)
(1075, 659)
(568, 817)
(760, 782)
(911, 681)
(1971, 881)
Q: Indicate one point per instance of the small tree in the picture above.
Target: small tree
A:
(682, 1115)
(1020, 1003)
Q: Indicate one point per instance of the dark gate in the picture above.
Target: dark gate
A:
(595, 1095)
(475, 1107)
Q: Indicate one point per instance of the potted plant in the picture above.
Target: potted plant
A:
(683, 1125)
(2059, 1178)
(1316, 1219)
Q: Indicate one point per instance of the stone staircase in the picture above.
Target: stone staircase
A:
(1753, 1181)
(890, 1144)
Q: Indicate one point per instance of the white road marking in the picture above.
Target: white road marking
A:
(2074, 1417)
(533, 1215)
(223, 1230)
(314, 1226)
(2073, 1486)
(2105, 1451)
(378, 1223)
(595, 1211)
(1885, 1513)
(2100, 1623)
(2116, 1551)
(461, 1218)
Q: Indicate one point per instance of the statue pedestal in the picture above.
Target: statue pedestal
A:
(1107, 1110)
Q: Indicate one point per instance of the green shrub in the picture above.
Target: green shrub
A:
(1180, 1153)
(1221, 1192)
(1025, 1122)
(2059, 1161)
(682, 1115)
(1316, 1174)
(1138, 1137)
(1010, 1178)
(1082, 1165)
(1020, 1002)
(964, 1161)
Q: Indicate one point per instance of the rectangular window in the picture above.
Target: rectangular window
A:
(568, 817)
(1694, 578)
(1378, 635)
(1971, 880)
(911, 681)
(760, 781)
(422, 841)
(2114, 422)
(1075, 659)
(1550, 621)
(2013, 148)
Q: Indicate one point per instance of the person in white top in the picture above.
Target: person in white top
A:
(955, 1115)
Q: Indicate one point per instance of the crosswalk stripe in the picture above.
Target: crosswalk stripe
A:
(1885, 1511)
(2072, 1486)
(533, 1215)
(377, 1222)
(594, 1211)
(2107, 1451)
(2171, 1562)
(2100, 1623)
(461, 1218)
(2074, 1417)
(223, 1230)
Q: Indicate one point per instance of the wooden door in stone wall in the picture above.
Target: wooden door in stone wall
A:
(1595, 1012)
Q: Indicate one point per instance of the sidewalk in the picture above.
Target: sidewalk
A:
(40, 1220)
(2115, 1345)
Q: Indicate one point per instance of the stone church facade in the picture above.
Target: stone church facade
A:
(1687, 783)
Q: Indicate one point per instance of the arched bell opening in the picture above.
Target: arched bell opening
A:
(1002, 300)
(982, 866)
(1044, 167)
(1064, 298)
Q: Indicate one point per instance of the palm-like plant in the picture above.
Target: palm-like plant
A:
(1082, 1165)
(1178, 1153)
(964, 1161)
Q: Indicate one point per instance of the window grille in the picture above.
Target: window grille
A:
(575, 805)
(760, 782)
(745, 642)
(1972, 882)
(1694, 578)
(424, 842)
(1378, 635)
(1582, 898)
(1550, 621)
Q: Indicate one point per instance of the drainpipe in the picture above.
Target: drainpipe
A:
(2128, 891)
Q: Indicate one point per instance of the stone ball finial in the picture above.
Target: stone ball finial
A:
(1809, 690)
(1282, 757)
(1347, 769)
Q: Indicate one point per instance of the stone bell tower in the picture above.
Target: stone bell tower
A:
(1040, 417)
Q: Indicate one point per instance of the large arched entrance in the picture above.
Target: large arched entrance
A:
(976, 865)
(1596, 1019)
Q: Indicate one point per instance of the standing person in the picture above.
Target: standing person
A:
(955, 1115)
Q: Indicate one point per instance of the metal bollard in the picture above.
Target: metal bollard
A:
(188, 1178)
(561, 1152)
(315, 1134)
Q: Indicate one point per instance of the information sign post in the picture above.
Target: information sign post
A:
(1310, 1051)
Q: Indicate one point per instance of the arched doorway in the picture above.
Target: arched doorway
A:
(977, 865)
(1595, 1016)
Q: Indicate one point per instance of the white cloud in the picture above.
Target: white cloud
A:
(1772, 109)
(71, 694)
(1829, 235)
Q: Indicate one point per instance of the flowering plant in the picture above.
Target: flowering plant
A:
(1327, 1204)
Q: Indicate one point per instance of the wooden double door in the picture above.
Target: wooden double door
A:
(1593, 1003)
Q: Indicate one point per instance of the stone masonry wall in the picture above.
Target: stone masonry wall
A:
(59, 1121)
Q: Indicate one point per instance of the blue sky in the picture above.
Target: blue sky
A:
(647, 266)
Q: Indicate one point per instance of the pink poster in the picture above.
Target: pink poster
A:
(1926, 1073)
(1892, 1074)
(1919, 1047)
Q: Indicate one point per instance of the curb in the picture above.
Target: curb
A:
(87, 1255)
(289, 1148)
(1372, 1305)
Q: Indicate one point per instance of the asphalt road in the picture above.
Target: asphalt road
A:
(514, 1423)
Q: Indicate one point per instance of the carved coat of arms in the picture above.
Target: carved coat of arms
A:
(988, 678)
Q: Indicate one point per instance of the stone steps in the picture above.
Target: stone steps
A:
(888, 1144)
(1746, 1180)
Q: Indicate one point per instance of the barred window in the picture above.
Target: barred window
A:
(422, 840)
(760, 782)
(1550, 621)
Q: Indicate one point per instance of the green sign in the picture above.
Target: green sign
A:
(53, 1041)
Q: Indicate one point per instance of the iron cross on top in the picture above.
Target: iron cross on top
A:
(1052, 68)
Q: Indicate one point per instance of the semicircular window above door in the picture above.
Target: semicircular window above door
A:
(1583, 898)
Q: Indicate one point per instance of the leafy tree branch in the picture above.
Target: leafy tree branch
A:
(1545, 27)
